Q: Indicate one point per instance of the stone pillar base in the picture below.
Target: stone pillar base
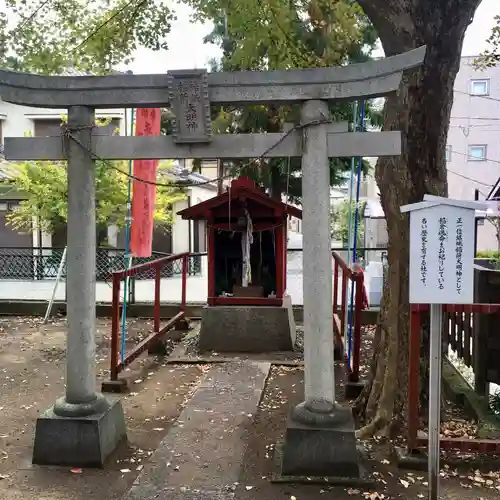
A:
(338, 351)
(117, 386)
(321, 450)
(414, 460)
(79, 441)
(353, 389)
(183, 325)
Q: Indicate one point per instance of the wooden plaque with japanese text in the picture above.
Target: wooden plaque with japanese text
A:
(190, 104)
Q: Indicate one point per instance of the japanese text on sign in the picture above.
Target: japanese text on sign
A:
(189, 94)
(442, 237)
(190, 106)
(423, 252)
(441, 255)
(459, 250)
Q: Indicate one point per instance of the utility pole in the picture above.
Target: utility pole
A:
(476, 222)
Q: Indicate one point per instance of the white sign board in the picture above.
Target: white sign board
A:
(442, 255)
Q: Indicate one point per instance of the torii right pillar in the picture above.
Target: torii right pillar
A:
(320, 438)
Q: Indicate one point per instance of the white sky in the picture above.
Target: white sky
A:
(187, 49)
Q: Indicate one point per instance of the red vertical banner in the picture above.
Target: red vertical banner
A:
(144, 193)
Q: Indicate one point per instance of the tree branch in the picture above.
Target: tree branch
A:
(386, 15)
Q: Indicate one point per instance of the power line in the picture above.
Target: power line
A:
(469, 178)
(30, 18)
(477, 160)
(105, 23)
(487, 97)
(262, 156)
(489, 118)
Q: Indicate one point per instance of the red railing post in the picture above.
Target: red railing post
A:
(358, 282)
(335, 285)
(414, 379)
(344, 303)
(185, 263)
(156, 311)
(115, 326)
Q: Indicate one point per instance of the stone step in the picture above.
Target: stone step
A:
(200, 457)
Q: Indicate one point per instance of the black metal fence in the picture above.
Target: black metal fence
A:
(26, 263)
(43, 263)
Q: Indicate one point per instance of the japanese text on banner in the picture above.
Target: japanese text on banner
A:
(144, 193)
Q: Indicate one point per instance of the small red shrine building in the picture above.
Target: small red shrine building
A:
(226, 217)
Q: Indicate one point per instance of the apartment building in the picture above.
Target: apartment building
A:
(473, 145)
(472, 151)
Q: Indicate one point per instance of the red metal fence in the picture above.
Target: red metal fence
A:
(117, 365)
(343, 272)
(461, 323)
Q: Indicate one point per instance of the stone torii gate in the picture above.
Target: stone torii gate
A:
(84, 427)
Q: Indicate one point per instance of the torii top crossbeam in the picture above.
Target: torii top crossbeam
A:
(189, 94)
(363, 80)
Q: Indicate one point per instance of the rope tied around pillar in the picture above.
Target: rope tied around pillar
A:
(67, 134)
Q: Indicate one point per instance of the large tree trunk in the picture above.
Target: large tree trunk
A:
(421, 110)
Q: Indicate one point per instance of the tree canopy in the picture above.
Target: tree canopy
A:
(491, 56)
(285, 35)
(91, 36)
(97, 37)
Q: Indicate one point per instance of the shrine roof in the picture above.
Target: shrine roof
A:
(241, 187)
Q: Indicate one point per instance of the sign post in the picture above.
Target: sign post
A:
(441, 272)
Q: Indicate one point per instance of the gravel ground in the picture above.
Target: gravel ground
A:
(32, 377)
(32, 364)
(285, 389)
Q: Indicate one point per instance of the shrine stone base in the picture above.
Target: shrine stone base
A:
(79, 441)
(321, 451)
(247, 329)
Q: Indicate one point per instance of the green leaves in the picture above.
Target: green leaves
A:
(491, 56)
(277, 34)
(340, 222)
(92, 37)
(46, 187)
(282, 34)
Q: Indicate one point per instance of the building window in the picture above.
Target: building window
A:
(448, 153)
(480, 87)
(477, 153)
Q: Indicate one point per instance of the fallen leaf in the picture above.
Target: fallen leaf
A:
(248, 488)
(76, 471)
(404, 483)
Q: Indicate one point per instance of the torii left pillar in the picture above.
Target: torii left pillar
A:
(83, 427)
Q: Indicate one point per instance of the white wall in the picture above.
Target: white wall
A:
(180, 228)
(199, 194)
(17, 121)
